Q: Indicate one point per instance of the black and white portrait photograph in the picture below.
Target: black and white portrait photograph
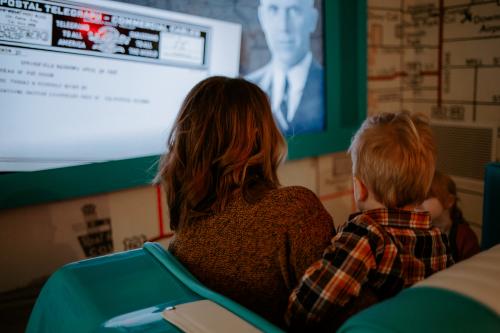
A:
(290, 67)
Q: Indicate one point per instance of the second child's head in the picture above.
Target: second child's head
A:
(393, 161)
(441, 202)
(223, 140)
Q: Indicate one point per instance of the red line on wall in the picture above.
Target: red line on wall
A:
(159, 205)
(387, 77)
(396, 75)
(440, 51)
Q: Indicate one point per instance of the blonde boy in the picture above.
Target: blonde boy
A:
(388, 245)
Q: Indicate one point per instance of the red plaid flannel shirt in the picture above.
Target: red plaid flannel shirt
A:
(377, 253)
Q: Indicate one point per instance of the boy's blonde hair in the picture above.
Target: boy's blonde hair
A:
(394, 156)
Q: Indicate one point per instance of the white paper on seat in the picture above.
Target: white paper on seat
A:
(206, 316)
(477, 277)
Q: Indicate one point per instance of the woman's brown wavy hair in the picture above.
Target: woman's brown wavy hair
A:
(224, 140)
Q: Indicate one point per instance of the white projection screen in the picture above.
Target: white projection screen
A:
(94, 81)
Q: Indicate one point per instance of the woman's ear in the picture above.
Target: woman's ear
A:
(360, 189)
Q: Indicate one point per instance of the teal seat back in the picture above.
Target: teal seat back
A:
(123, 292)
(491, 209)
(424, 309)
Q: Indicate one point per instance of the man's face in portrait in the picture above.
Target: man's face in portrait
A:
(287, 25)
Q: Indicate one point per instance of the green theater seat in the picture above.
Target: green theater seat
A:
(425, 310)
(124, 292)
(491, 208)
(462, 298)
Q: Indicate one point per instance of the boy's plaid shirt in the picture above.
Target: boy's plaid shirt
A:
(382, 250)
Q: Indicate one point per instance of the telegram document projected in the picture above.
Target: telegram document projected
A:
(95, 83)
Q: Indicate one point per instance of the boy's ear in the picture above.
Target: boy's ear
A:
(360, 189)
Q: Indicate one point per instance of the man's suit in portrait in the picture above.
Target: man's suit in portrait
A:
(310, 113)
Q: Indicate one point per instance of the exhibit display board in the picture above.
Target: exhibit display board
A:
(99, 81)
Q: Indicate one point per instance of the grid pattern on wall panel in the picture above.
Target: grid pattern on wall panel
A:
(464, 151)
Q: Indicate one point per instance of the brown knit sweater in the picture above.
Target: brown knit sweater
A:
(256, 253)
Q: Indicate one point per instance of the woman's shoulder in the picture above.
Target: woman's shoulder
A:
(292, 195)
(296, 201)
(294, 192)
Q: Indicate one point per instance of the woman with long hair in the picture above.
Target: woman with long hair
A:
(236, 229)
